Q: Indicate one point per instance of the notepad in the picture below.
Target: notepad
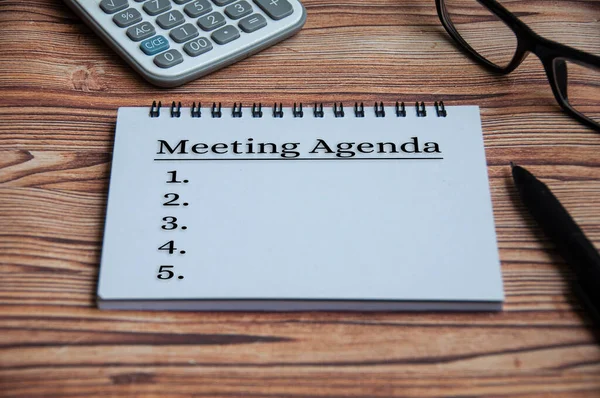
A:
(277, 209)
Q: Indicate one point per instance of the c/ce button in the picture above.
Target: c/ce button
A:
(154, 45)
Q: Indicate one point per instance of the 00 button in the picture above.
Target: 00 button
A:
(197, 47)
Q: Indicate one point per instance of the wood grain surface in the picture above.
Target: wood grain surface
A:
(60, 87)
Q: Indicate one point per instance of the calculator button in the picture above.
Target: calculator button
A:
(112, 6)
(221, 3)
(252, 23)
(197, 8)
(182, 1)
(127, 18)
(276, 9)
(141, 31)
(225, 34)
(197, 47)
(184, 33)
(170, 19)
(211, 21)
(155, 7)
(238, 10)
(154, 45)
(168, 59)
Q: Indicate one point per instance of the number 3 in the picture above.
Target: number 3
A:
(170, 223)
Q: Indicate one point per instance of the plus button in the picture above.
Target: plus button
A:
(276, 9)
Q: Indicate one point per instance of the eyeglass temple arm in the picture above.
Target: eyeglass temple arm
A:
(561, 76)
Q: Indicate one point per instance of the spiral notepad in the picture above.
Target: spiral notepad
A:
(310, 207)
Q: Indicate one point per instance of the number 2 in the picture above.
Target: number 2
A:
(172, 201)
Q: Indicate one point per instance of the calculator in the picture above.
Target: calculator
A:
(170, 42)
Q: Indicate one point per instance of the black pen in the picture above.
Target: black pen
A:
(571, 243)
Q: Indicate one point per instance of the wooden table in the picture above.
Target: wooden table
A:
(60, 89)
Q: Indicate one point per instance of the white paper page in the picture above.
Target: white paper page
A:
(305, 222)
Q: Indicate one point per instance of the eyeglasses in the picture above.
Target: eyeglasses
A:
(499, 41)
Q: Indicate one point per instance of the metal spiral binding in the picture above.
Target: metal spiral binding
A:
(338, 112)
(278, 113)
(297, 111)
(359, 111)
(257, 111)
(197, 112)
(318, 112)
(176, 109)
(379, 110)
(236, 112)
(440, 109)
(400, 109)
(155, 109)
(216, 111)
(421, 112)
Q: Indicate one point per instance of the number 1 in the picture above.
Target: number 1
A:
(173, 173)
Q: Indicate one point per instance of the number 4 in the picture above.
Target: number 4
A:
(169, 246)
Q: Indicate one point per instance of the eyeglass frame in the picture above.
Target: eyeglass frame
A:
(528, 41)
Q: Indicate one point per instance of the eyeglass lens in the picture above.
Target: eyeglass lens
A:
(579, 86)
(482, 30)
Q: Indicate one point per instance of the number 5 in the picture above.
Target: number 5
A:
(164, 273)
